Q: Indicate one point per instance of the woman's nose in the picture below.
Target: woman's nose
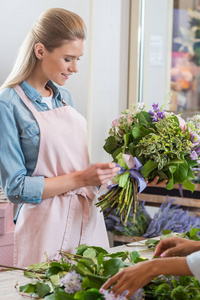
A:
(74, 67)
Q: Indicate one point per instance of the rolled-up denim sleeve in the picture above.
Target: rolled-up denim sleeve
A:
(193, 261)
(17, 186)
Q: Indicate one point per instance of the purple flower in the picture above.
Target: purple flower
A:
(155, 107)
(193, 155)
(160, 114)
(154, 119)
(197, 150)
(71, 282)
(139, 295)
(151, 112)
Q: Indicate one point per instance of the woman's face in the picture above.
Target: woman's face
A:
(62, 62)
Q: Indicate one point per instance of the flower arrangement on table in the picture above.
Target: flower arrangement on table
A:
(80, 276)
(146, 144)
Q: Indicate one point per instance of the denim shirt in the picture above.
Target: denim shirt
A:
(19, 142)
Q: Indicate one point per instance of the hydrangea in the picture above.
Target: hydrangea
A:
(71, 282)
(139, 295)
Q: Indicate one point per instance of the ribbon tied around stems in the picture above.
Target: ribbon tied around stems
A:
(134, 166)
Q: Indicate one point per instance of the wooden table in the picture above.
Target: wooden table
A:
(8, 279)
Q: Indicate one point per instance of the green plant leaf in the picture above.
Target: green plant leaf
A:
(28, 288)
(134, 256)
(42, 289)
(148, 167)
(52, 271)
(112, 266)
(123, 178)
(189, 185)
(144, 118)
(181, 173)
(55, 279)
(111, 144)
(170, 184)
(139, 131)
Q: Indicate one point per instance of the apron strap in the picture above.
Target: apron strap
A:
(25, 99)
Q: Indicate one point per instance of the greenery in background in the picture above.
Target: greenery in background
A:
(80, 276)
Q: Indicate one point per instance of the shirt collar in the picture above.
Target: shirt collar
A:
(34, 95)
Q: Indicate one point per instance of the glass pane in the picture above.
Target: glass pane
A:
(185, 57)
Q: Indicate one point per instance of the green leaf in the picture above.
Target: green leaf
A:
(172, 168)
(144, 118)
(60, 294)
(170, 184)
(90, 252)
(93, 282)
(81, 249)
(27, 288)
(42, 289)
(165, 231)
(99, 250)
(50, 297)
(181, 173)
(111, 144)
(123, 179)
(55, 279)
(148, 167)
(139, 132)
(92, 294)
(189, 185)
(112, 266)
(100, 259)
(134, 256)
(52, 271)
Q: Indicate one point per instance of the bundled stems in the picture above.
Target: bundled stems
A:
(122, 198)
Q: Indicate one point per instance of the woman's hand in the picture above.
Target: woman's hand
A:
(99, 173)
(130, 279)
(176, 246)
(155, 182)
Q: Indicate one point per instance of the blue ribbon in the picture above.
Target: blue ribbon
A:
(134, 173)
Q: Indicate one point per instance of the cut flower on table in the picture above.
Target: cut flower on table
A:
(146, 144)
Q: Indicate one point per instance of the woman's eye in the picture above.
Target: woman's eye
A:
(67, 60)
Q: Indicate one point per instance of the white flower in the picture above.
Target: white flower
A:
(71, 282)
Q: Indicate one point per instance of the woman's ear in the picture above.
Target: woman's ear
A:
(39, 50)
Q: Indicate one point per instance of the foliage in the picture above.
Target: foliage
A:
(80, 276)
(148, 144)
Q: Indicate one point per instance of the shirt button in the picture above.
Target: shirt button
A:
(45, 107)
(17, 196)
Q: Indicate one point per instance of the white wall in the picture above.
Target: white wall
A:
(100, 87)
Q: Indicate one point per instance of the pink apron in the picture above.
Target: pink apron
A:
(68, 220)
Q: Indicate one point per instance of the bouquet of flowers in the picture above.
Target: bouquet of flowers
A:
(146, 144)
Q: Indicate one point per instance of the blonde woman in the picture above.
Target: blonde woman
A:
(44, 162)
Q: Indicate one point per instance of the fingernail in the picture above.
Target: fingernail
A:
(163, 254)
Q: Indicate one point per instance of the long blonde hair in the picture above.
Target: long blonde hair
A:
(53, 27)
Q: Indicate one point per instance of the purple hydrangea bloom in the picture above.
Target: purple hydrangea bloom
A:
(193, 155)
(139, 295)
(71, 282)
